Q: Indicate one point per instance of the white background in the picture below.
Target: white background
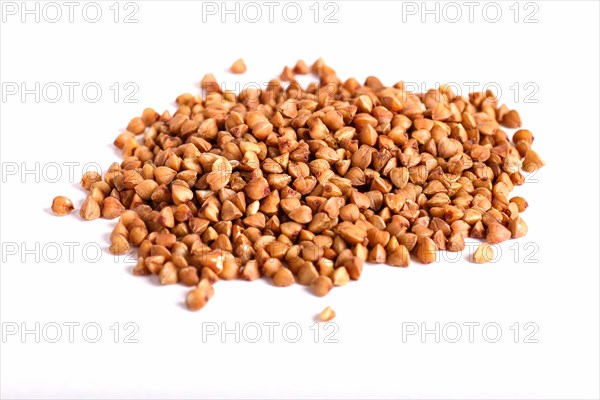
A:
(549, 278)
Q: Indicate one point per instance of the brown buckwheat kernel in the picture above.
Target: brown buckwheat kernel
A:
(62, 205)
(327, 314)
(306, 184)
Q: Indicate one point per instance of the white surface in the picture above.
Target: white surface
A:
(166, 54)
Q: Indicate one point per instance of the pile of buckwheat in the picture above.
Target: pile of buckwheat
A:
(305, 185)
